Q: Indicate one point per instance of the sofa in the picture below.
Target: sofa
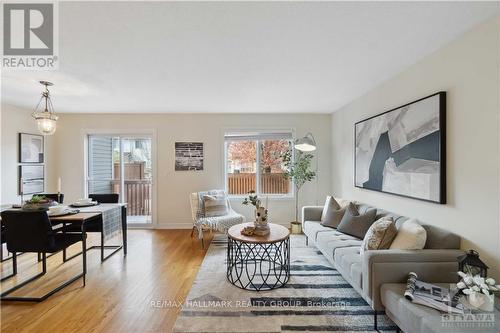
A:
(367, 272)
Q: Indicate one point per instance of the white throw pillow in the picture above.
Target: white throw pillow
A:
(215, 205)
(411, 236)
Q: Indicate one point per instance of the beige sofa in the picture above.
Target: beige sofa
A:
(437, 262)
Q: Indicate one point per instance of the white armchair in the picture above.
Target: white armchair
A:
(217, 223)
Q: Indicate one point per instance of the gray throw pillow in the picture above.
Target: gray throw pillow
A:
(355, 224)
(332, 213)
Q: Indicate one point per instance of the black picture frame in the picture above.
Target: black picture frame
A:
(441, 147)
(189, 156)
(28, 153)
(31, 179)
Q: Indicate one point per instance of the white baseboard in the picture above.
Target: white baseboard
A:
(174, 226)
(190, 225)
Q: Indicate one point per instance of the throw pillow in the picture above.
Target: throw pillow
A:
(200, 213)
(332, 213)
(355, 224)
(380, 234)
(215, 205)
(411, 236)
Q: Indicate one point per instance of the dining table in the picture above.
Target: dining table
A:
(86, 215)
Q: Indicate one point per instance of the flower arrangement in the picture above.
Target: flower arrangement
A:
(476, 284)
(252, 199)
(261, 226)
(479, 290)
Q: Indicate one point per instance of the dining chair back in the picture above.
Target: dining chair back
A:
(105, 198)
(59, 197)
(28, 231)
(31, 231)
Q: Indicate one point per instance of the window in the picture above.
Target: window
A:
(253, 163)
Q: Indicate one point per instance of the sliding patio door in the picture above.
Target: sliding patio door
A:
(122, 164)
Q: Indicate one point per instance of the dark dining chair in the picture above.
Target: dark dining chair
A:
(2, 242)
(95, 226)
(105, 198)
(59, 197)
(31, 231)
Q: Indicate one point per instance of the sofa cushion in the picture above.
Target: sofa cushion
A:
(357, 274)
(380, 234)
(312, 228)
(348, 261)
(332, 213)
(411, 236)
(438, 238)
(328, 242)
(355, 223)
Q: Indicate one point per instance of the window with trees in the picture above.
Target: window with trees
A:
(254, 163)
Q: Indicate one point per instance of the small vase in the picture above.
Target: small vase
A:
(481, 301)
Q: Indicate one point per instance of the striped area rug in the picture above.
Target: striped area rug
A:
(316, 299)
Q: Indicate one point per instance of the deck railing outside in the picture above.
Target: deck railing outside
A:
(137, 195)
(270, 183)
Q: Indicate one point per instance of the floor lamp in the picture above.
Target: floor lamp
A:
(308, 144)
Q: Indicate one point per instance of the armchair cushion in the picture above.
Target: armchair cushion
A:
(215, 205)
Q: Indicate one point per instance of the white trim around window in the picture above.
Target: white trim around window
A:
(257, 135)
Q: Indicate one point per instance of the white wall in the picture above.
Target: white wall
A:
(173, 187)
(468, 70)
(13, 121)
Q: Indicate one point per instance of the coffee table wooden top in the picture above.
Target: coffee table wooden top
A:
(277, 233)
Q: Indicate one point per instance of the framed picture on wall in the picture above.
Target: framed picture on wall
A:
(189, 156)
(31, 148)
(31, 179)
(403, 151)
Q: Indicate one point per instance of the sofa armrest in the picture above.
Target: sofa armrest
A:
(392, 266)
(311, 213)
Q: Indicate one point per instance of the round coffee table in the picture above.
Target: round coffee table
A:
(258, 262)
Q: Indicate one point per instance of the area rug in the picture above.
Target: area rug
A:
(316, 298)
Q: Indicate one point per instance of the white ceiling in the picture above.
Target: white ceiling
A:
(236, 56)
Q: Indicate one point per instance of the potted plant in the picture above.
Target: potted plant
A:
(299, 171)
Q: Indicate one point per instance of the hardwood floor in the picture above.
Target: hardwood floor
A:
(160, 266)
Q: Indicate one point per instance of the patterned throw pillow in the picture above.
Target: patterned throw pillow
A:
(332, 213)
(200, 213)
(215, 205)
(380, 234)
(356, 224)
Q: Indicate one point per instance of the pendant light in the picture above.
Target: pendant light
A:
(46, 119)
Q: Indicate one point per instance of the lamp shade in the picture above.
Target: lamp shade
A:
(306, 143)
(46, 122)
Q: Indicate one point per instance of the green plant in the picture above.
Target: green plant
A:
(37, 199)
(299, 171)
(252, 199)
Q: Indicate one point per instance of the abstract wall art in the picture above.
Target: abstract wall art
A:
(402, 151)
(188, 156)
(31, 179)
(31, 148)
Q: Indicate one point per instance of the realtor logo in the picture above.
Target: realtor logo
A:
(29, 35)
